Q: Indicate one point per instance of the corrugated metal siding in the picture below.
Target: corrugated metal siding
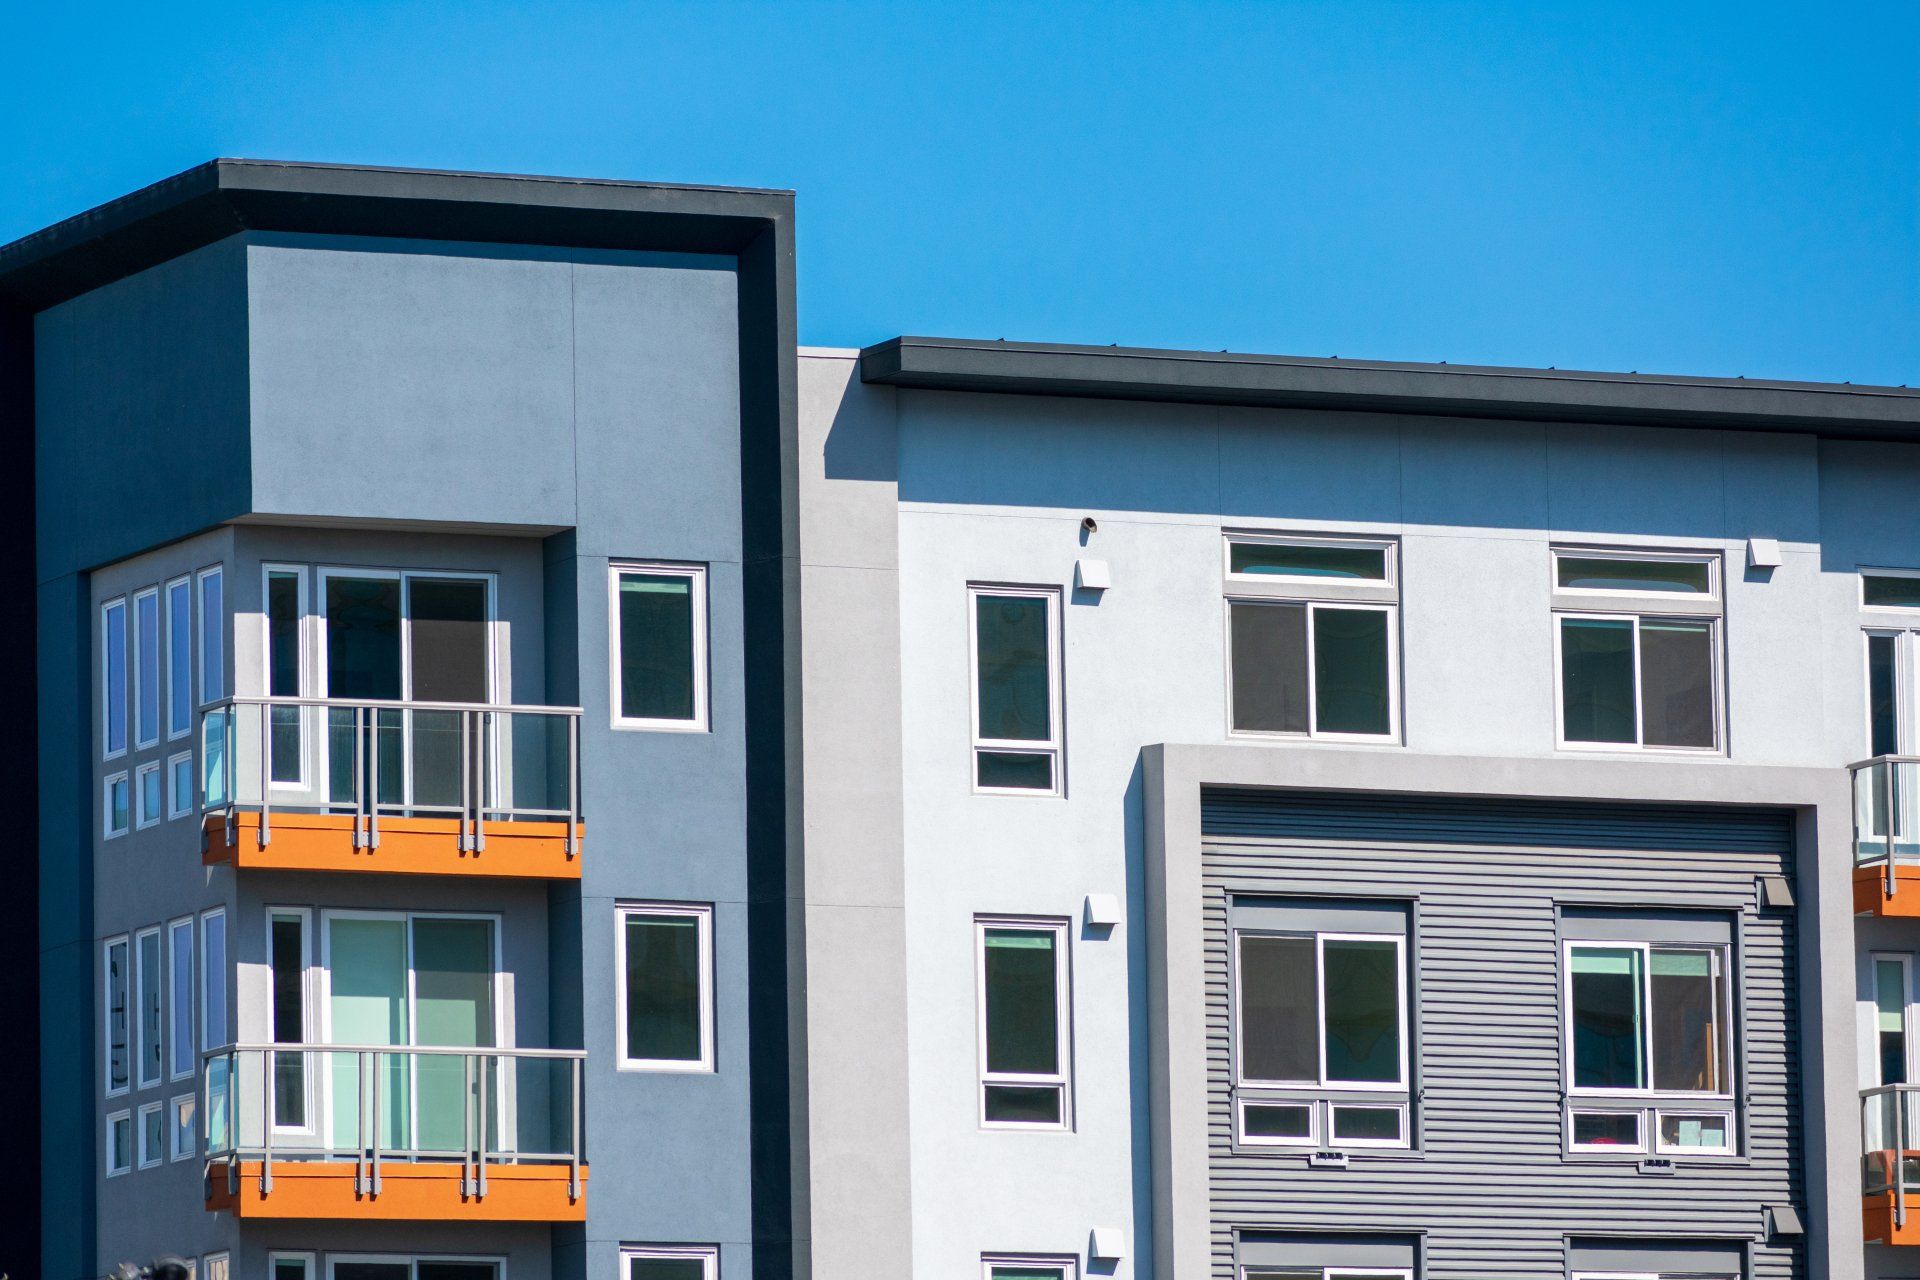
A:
(1492, 1190)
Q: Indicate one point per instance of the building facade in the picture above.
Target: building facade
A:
(539, 775)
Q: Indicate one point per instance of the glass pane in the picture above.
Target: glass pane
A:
(1596, 679)
(288, 945)
(1001, 1272)
(1279, 1009)
(663, 988)
(213, 660)
(121, 1137)
(371, 1270)
(1705, 1131)
(213, 757)
(1294, 560)
(151, 800)
(1607, 1018)
(1023, 1104)
(150, 1051)
(1270, 1120)
(1606, 1129)
(1601, 573)
(1014, 694)
(666, 1269)
(1269, 667)
(113, 643)
(656, 646)
(1363, 1011)
(119, 1062)
(1676, 683)
(1350, 670)
(1015, 770)
(1883, 715)
(153, 1135)
(363, 638)
(1888, 590)
(180, 785)
(290, 1269)
(443, 1270)
(183, 1116)
(1890, 1019)
(283, 672)
(146, 647)
(179, 658)
(180, 996)
(1023, 1023)
(367, 962)
(447, 635)
(117, 803)
(1688, 1044)
(452, 1005)
(213, 980)
(1366, 1124)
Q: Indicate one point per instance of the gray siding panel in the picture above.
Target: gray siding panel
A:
(1490, 1186)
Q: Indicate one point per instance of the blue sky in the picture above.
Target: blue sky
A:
(1678, 187)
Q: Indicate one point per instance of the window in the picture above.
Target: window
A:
(659, 620)
(119, 1143)
(290, 958)
(147, 974)
(1890, 589)
(1329, 1256)
(285, 610)
(1027, 1267)
(664, 1001)
(1016, 689)
(1638, 642)
(1312, 637)
(214, 1267)
(371, 1267)
(119, 989)
(1321, 1026)
(213, 979)
(153, 1135)
(180, 998)
(290, 1266)
(1649, 1044)
(116, 802)
(1324, 1273)
(146, 667)
(670, 1262)
(180, 785)
(146, 789)
(213, 631)
(1641, 1258)
(113, 678)
(1024, 1029)
(182, 1111)
(179, 658)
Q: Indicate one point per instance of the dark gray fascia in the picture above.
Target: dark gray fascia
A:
(221, 197)
(1454, 391)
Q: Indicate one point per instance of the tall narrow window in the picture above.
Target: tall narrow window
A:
(670, 1262)
(179, 657)
(119, 989)
(665, 979)
(1312, 636)
(146, 946)
(286, 606)
(288, 947)
(1016, 683)
(180, 998)
(1638, 639)
(1024, 1028)
(659, 620)
(1893, 1053)
(213, 636)
(146, 667)
(213, 979)
(113, 678)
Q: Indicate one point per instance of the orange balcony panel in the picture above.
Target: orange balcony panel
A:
(1870, 896)
(409, 846)
(408, 1193)
(1877, 1221)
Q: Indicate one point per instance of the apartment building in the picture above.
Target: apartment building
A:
(541, 776)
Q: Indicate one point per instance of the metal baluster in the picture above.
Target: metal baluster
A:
(573, 1170)
(481, 1060)
(1888, 767)
(266, 769)
(376, 1124)
(360, 1125)
(266, 1127)
(373, 781)
(359, 778)
(573, 785)
(1899, 1159)
(466, 782)
(480, 784)
(466, 1132)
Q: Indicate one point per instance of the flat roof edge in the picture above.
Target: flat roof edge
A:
(1464, 391)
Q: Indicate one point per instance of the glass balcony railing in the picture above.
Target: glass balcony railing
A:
(1889, 1127)
(459, 767)
(377, 1106)
(1886, 824)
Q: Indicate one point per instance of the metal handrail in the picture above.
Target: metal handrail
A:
(1897, 1163)
(390, 704)
(1890, 798)
(367, 1155)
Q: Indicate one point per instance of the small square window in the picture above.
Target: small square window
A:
(658, 617)
(290, 1266)
(1616, 1131)
(1029, 1267)
(670, 1262)
(119, 1143)
(153, 1135)
(181, 1130)
(180, 785)
(117, 801)
(147, 789)
(1280, 1124)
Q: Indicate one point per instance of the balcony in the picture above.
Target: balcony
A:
(423, 788)
(1889, 1126)
(375, 1132)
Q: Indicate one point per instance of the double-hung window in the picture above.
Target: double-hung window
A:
(664, 976)
(1321, 1031)
(1016, 689)
(659, 624)
(1638, 639)
(1649, 1035)
(1313, 636)
(1024, 1024)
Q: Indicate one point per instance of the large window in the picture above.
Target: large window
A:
(113, 678)
(1312, 637)
(670, 1262)
(213, 635)
(148, 982)
(146, 667)
(290, 959)
(342, 1266)
(179, 657)
(1638, 636)
(659, 622)
(1321, 1028)
(214, 1033)
(1016, 689)
(285, 611)
(1649, 1036)
(180, 998)
(664, 981)
(118, 991)
(1024, 1027)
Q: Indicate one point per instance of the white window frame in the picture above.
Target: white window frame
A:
(412, 1261)
(107, 750)
(1630, 555)
(141, 820)
(1067, 1264)
(1361, 542)
(210, 1272)
(1653, 1103)
(179, 1020)
(178, 713)
(178, 1151)
(707, 1255)
(210, 649)
(307, 650)
(1313, 605)
(310, 981)
(142, 1158)
(696, 574)
(125, 943)
(307, 1260)
(118, 1118)
(702, 914)
(1329, 1273)
(1716, 644)
(1874, 571)
(1054, 747)
(1311, 1105)
(136, 681)
(180, 799)
(1063, 1023)
(214, 978)
(121, 778)
(158, 1057)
